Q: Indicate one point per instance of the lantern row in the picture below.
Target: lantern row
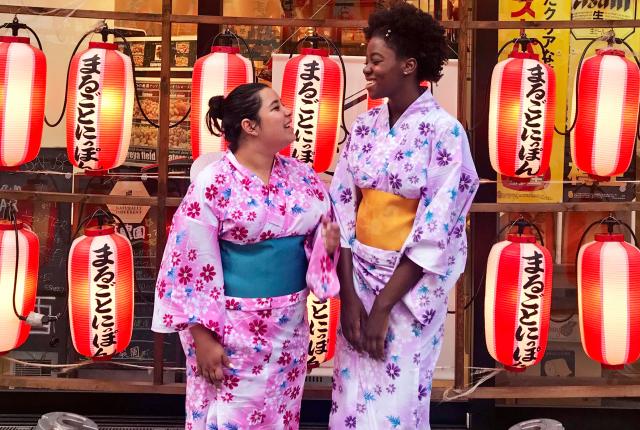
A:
(518, 301)
(522, 113)
(101, 294)
(101, 289)
(518, 293)
(101, 93)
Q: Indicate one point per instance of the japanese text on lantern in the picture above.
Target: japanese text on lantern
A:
(319, 330)
(307, 113)
(103, 324)
(531, 136)
(527, 333)
(85, 133)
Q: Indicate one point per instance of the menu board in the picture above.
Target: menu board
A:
(144, 136)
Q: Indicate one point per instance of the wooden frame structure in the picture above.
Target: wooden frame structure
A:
(466, 27)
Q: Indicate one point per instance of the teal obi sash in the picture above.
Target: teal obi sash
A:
(274, 267)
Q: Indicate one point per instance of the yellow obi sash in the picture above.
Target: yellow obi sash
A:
(384, 219)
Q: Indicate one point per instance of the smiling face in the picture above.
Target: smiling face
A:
(275, 127)
(383, 70)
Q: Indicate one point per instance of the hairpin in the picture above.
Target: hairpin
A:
(387, 34)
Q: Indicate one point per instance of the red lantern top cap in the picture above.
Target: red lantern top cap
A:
(610, 51)
(525, 55)
(605, 237)
(99, 231)
(8, 225)
(226, 49)
(315, 51)
(15, 39)
(525, 238)
(103, 45)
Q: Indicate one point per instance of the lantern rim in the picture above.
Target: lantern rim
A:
(322, 52)
(96, 230)
(103, 45)
(610, 51)
(8, 225)
(15, 39)
(606, 237)
(225, 49)
(521, 238)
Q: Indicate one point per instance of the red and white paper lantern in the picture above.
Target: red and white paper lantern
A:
(323, 323)
(312, 87)
(215, 74)
(608, 93)
(518, 301)
(13, 331)
(99, 107)
(101, 292)
(609, 300)
(23, 77)
(522, 109)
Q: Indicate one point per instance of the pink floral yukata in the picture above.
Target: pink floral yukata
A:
(266, 339)
(424, 156)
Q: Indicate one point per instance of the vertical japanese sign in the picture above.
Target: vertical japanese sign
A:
(556, 44)
(578, 186)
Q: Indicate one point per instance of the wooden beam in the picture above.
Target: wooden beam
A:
(192, 19)
(556, 392)
(80, 384)
(319, 392)
(460, 318)
(79, 13)
(289, 22)
(463, 58)
(41, 196)
(599, 23)
(556, 207)
(175, 201)
(163, 171)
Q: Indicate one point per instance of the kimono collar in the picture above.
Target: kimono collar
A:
(275, 169)
(423, 104)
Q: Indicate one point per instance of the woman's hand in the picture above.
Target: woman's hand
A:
(376, 332)
(210, 355)
(330, 233)
(353, 320)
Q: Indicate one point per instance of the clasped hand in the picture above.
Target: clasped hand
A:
(330, 233)
(365, 332)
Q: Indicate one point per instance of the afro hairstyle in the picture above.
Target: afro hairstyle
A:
(411, 33)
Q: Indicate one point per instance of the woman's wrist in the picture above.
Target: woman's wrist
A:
(383, 303)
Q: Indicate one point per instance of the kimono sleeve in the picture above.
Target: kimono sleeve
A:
(451, 184)
(322, 278)
(344, 197)
(190, 289)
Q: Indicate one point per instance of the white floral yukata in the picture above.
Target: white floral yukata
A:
(424, 156)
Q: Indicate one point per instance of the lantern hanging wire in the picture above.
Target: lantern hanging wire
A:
(226, 38)
(609, 221)
(10, 214)
(315, 40)
(524, 42)
(521, 222)
(611, 39)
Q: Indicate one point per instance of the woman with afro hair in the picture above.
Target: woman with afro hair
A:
(401, 190)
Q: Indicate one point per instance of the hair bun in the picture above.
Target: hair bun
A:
(216, 104)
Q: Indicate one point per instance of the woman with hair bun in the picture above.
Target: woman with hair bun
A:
(401, 190)
(251, 234)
